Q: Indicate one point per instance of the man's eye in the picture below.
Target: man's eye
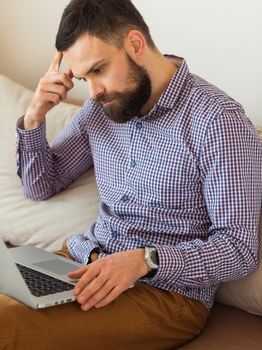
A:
(98, 70)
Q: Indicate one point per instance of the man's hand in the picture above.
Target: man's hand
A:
(105, 279)
(51, 90)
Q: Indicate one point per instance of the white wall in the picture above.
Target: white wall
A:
(221, 41)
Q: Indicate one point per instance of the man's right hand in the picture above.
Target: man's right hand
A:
(51, 90)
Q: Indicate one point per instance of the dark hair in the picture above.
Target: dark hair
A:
(108, 20)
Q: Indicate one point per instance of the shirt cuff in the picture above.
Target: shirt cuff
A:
(80, 248)
(30, 139)
(171, 264)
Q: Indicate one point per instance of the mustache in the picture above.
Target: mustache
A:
(106, 97)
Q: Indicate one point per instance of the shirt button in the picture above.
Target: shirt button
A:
(125, 198)
(114, 234)
(133, 163)
(139, 125)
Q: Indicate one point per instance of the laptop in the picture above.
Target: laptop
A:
(36, 277)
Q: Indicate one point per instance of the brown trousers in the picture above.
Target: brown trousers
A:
(142, 318)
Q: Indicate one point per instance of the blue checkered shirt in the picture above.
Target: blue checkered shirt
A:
(185, 178)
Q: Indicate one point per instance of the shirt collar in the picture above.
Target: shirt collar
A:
(172, 92)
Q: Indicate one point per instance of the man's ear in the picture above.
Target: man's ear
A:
(135, 44)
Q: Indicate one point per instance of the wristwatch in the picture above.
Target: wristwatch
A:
(152, 261)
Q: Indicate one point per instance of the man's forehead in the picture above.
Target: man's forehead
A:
(87, 51)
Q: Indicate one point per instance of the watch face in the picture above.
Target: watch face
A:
(152, 253)
(151, 257)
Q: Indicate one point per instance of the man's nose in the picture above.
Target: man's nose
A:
(95, 89)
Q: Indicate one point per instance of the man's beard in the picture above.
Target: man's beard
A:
(128, 104)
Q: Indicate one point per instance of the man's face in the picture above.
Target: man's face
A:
(115, 81)
(123, 106)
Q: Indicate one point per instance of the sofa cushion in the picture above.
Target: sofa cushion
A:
(23, 221)
(245, 293)
(228, 329)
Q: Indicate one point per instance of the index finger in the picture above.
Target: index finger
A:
(55, 64)
(78, 273)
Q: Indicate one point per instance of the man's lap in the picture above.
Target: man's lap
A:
(142, 317)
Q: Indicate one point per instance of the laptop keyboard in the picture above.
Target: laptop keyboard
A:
(41, 284)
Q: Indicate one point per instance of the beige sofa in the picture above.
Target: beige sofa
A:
(237, 325)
